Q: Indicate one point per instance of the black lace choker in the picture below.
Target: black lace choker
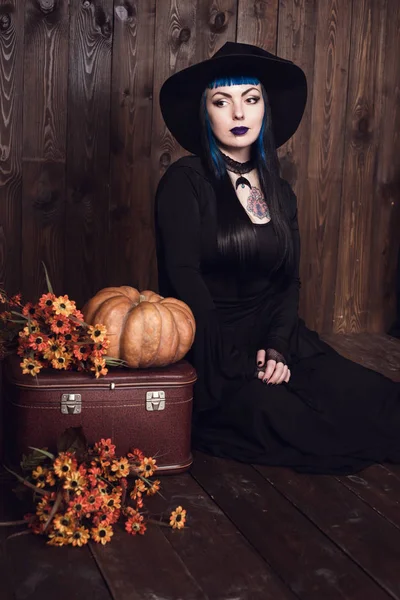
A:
(238, 167)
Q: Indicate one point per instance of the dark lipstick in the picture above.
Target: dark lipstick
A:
(239, 130)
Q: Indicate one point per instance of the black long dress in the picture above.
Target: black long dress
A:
(333, 416)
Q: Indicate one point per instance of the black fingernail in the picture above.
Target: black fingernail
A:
(259, 363)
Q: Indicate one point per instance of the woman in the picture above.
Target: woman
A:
(269, 390)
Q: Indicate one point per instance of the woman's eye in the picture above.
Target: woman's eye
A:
(253, 99)
(220, 103)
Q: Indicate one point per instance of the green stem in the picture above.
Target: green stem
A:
(105, 480)
(53, 510)
(149, 483)
(49, 286)
(18, 534)
(45, 452)
(18, 314)
(27, 483)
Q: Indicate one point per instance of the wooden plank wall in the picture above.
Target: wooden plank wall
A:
(83, 144)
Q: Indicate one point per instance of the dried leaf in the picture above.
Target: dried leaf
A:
(73, 440)
(32, 460)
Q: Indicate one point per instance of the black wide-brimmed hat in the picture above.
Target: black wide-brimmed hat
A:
(284, 82)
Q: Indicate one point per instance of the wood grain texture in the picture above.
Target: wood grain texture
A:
(297, 42)
(212, 548)
(175, 49)
(379, 488)
(31, 569)
(215, 25)
(11, 82)
(342, 516)
(45, 80)
(127, 565)
(257, 22)
(131, 241)
(305, 559)
(385, 238)
(376, 351)
(44, 143)
(88, 160)
(353, 281)
(42, 227)
(322, 190)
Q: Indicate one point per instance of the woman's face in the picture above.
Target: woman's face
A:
(236, 113)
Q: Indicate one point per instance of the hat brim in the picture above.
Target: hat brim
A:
(284, 82)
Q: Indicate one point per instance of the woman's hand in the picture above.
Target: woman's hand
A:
(274, 371)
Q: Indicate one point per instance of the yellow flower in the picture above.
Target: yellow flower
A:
(102, 534)
(111, 502)
(121, 467)
(79, 537)
(31, 328)
(56, 538)
(30, 366)
(99, 367)
(50, 479)
(40, 475)
(54, 349)
(62, 361)
(63, 306)
(138, 489)
(45, 506)
(153, 489)
(147, 467)
(75, 482)
(178, 518)
(63, 523)
(64, 464)
(102, 489)
(97, 332)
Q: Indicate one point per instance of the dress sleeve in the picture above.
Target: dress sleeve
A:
(285, 316)
(179, 224)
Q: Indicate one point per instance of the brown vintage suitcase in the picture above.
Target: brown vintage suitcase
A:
(149, 409)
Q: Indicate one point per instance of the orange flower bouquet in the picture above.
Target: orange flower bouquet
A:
(52, 334)
(83, 495)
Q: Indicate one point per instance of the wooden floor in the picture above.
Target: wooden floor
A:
(253, 533)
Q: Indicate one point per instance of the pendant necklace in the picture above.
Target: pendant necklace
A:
(240, 169)
(256, 204)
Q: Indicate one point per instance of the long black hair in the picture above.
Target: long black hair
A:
(236, 237)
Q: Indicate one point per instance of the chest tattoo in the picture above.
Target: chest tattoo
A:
(256, 204)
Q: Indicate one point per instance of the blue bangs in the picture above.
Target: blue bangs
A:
(234, 80)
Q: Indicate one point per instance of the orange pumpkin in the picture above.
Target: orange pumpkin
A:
(144, 329)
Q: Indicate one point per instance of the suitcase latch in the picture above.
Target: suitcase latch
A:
(155, 400)
(71, 404)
